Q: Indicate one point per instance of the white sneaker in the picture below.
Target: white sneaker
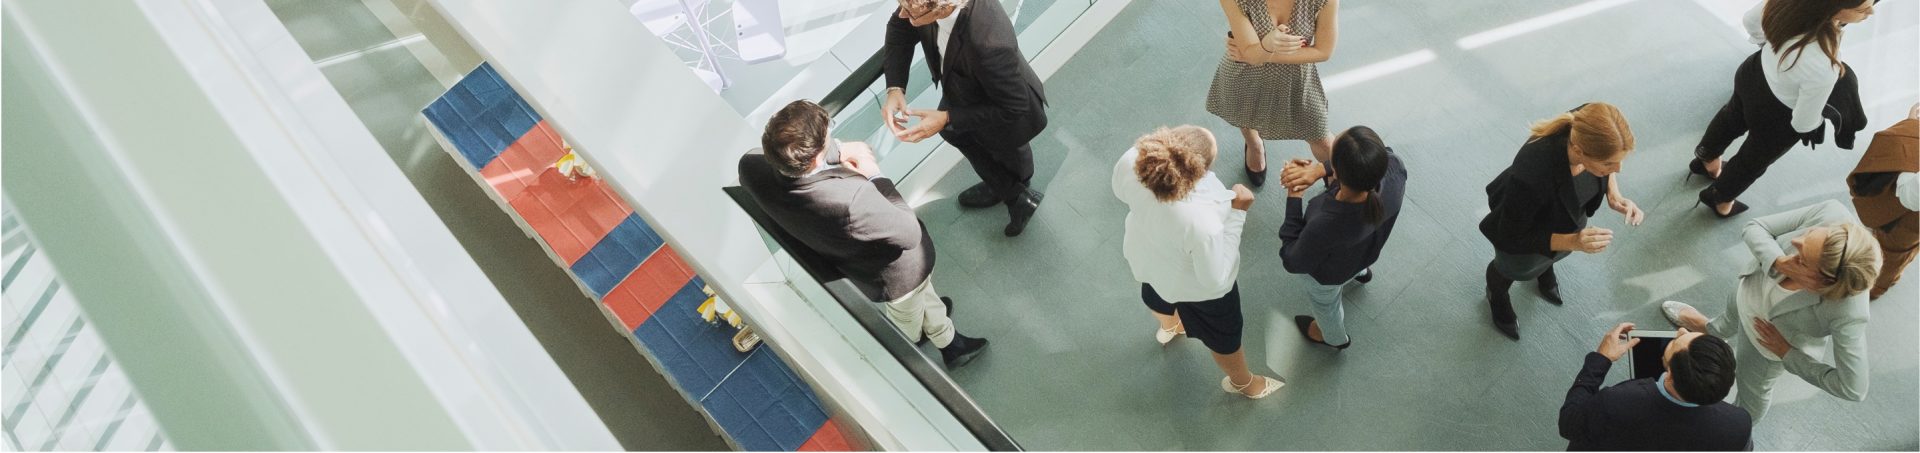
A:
(1165, 335)
(1673, 309)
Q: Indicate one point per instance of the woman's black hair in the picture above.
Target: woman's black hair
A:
(1359, 163)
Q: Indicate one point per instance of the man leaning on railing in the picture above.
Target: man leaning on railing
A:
(832, 198)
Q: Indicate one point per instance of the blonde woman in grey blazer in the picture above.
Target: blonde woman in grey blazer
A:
(1804, 294)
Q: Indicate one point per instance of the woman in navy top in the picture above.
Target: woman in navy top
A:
(1339, 234)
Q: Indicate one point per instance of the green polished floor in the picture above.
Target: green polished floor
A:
(1073, 364)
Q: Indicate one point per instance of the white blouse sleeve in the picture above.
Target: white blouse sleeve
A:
(1813, 76)
(1907, 188)
(1755, 36)
(1216, 254)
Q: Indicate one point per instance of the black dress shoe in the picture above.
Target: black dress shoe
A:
(1549, 287)
(962, 350)
(1365, 277)
(1305, 324)
(1019, 211)
(978, 196)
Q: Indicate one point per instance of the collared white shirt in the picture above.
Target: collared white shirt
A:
(945, 30)
(820, 168)
(1752, 23)
(1189, 250)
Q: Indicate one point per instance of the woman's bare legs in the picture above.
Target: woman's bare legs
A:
(1322, 149)
(1235, 365)
(1167, 322)
(1256, 149)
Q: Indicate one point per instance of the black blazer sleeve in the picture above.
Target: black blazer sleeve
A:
(898, 62)
(1513, 223)
(1577, 413)
(1001, 73)
(1303, 253)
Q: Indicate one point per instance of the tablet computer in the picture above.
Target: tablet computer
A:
(1645, 358)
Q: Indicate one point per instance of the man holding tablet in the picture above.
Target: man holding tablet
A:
(1678, 409)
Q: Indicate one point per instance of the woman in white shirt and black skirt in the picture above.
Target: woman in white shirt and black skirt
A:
(1779, 95)
(1183, 242)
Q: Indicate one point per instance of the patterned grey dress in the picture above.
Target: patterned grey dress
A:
(1282, 101)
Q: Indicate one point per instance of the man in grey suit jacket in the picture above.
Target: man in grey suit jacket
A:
(832, 197)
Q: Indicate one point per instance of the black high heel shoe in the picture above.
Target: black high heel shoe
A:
(1257, 178)
(1699, 167)
(1305, 324)
(1707, 200)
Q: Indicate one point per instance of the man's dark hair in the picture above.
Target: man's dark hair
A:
(794, 136)
(1703, 372)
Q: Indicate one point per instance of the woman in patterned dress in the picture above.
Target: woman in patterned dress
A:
(1267, 84)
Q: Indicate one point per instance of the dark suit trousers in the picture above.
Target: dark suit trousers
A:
(1754, 112)
(1008, 170)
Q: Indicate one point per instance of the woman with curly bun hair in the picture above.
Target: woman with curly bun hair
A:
(1183, 243)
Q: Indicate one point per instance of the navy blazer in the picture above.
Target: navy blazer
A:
(1634, 416)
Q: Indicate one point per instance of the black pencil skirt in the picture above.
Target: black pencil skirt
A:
(1216, 323)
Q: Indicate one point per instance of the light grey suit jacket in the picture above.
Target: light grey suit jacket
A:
(1803, 318)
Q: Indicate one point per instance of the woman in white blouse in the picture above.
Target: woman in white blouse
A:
(1788, 306)
(1183, 242)
(1779, 94)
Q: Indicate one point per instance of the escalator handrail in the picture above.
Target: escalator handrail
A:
(855, 83)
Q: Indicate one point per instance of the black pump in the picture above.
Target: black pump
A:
(1549, 287)
(1706, 199)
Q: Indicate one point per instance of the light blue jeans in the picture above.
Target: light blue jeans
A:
(1327, 310)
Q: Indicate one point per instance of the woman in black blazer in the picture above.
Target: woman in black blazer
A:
(1541, 203)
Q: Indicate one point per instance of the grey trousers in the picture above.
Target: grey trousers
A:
(1755, 373)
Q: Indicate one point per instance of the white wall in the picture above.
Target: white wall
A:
(270, 279)
(62, 389)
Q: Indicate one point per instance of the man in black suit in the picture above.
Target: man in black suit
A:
(832, 197)
(1680, 410)
(992, 103)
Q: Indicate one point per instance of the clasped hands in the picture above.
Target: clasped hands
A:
(1299, 174)
(896, 112)
(1261, 51)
